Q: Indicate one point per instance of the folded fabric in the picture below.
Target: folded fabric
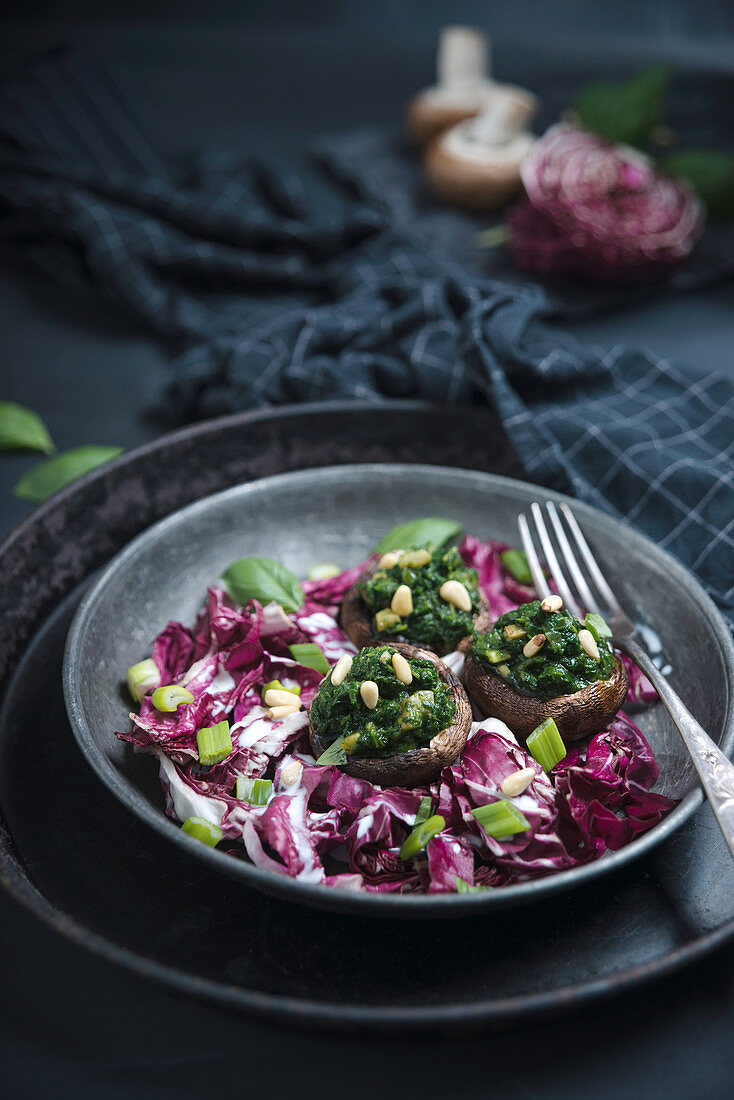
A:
(275, 283)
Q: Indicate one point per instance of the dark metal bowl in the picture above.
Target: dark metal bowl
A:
(338, 514)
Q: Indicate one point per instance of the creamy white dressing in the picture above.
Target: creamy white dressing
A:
(365, 823)
(222, 682)
(257, 729)
(320, 627)
(493, 725)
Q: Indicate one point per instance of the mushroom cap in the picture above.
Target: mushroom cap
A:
(472, 184)
(356, 619)
(426, 117)
(576, 715)
(418, 766)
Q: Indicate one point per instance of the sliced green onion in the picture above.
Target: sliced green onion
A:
(497, 656)
(420, 836)
(598, 626)
(214, 742)
(501, 819)
(546, 745)
(203, 830)
(464, 887)
(255, 791)
(335, 754)
(277, 686)
(424, 810)
(517, 566)
(323, 571)
(504, 670)
(169, 698)
(142, 678)
(310, 655)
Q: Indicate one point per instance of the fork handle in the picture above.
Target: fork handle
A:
(715, 771)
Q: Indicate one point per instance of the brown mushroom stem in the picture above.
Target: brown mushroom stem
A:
(356, 619)
(577, 715)
(418, 766)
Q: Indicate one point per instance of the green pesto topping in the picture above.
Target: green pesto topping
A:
(434, 622)
(405, 717)
(561, 667)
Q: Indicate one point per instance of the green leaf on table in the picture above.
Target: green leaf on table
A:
(48, 477)
(409, 536)
(625, 112)
(263, 579)
(710, 172)
(23, 430)
(310, 655)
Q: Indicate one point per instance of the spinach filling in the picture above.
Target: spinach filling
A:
(433, 622)
(561, 667)
(406, 716)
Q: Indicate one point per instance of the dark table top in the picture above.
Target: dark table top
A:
(71, 1024)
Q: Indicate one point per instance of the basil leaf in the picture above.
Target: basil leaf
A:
(597, 625)
(310, 655)
(710, 172)
(409, 536)
(335, 754)
(263, 579)
(23, 430)
(625, 112)
(48, 477)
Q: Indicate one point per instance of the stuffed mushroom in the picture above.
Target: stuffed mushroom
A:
(394, 715)
(540, 662)
(426, 597)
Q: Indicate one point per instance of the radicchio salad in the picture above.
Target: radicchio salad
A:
(271, 726)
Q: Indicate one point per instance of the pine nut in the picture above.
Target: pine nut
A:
(275, 697)
(552, 603)
(402, 601)
(370, 694)
(512, 630)
(388, 561)
(341, 669)
(402, 669)
(416, 558)
(290, 773)
(518, 782)
(534, 645)
(454, 592)
(588, 644)
(282, 712)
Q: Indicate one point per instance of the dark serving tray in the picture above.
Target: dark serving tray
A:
(79, 860)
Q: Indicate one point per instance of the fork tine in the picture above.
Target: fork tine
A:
(585, 594)
(552, 561)
(590, 561)
(541, 584)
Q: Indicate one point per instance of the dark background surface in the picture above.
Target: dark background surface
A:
(266, 78)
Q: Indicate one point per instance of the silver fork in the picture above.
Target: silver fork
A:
(578, 585)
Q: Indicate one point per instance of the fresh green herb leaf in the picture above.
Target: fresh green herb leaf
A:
(310, 655)
(464, 887)
(48, 477)
(625, 112)
(598, 626)
(263, 579)
(335, 753)
(409, 536)
(23, 430)
(424, 810)
(516, 564)
(710, 172)
(501, 819)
